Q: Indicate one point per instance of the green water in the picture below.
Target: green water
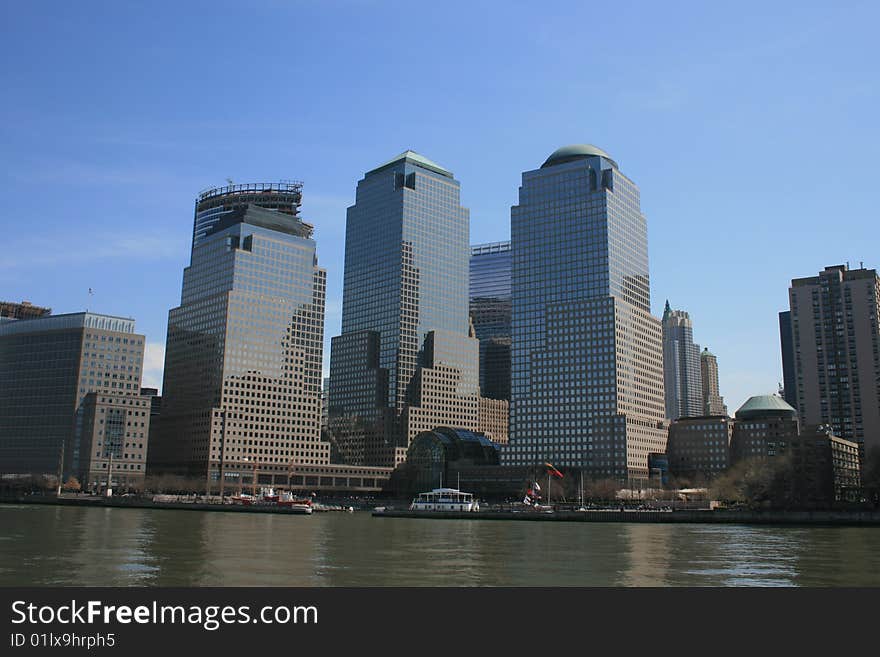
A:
(46, 545)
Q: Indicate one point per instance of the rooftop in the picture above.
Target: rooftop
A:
(574, 152)
(762, 405)
(418, 160)
(84, 320)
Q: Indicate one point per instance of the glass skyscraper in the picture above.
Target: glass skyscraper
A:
(587, 373)
(242, 381)
(213, 204)
(490, 305)
(406, 359)
(682, 376)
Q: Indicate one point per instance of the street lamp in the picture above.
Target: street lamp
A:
(222, 453)
(290, 468)
(109, 451)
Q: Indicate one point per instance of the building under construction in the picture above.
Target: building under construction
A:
(23, 310)
(212, 204)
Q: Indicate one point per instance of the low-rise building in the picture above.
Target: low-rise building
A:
(764, 426)
(115, 436)
(698, 448)
(826, 468)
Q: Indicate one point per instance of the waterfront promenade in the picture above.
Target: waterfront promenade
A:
(851, 518)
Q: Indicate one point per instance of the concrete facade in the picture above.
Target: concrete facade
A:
(835, 324)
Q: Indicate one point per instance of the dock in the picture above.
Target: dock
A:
(717, 516)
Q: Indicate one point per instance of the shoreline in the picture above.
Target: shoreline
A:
(792, 518)
(130, 503)
(828, 518)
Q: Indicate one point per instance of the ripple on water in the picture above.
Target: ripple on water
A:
(69, 546)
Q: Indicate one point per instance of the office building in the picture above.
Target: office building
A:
(407, 359)
(490, 308)
(48, 368)
(765, 424)
(587, 360)
(241, 396)
(835, 330)
(213, 204)
(115, 438)
(698, 448)
(712, 401)
(682, 380)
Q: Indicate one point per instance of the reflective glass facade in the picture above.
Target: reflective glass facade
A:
(242, 386)
(490, 308)
(587, 380)
(406, 360)
(214, 204)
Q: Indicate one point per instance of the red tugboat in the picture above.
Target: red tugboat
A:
(268, 497)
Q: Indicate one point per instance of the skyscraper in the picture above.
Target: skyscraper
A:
(213, 204)
(242, 382)
(490, 307)
(587, 367)
(681, 366)
(712, 401)
(835, 329)
(58, 373)
(789, 387)
(406, 360)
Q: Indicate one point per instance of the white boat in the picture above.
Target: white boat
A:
(444, 499)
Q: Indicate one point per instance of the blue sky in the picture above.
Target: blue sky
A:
(750, 129)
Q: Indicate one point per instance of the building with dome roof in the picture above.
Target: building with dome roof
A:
(764, 426)
(586, 363)
(824, 468)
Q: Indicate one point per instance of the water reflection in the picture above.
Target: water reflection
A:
(47, 545)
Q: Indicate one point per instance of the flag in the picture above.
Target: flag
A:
(553, 471)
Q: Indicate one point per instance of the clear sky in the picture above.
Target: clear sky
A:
(750, 127)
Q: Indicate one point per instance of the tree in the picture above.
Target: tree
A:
(72, 485)
(758, 482)
(601, 490)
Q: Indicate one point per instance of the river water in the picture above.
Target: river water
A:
(53, 546)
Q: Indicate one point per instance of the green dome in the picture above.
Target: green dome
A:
(762, 405)
(707, 353)
(574, 152)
